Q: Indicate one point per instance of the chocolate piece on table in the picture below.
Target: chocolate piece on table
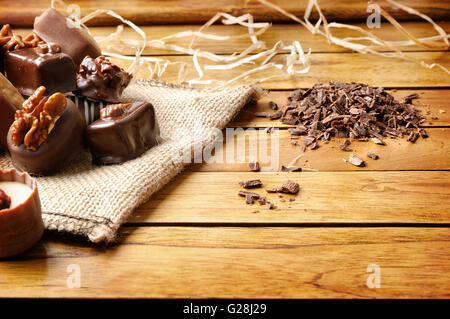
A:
(10, 102)
(52, 26)
(123, 132)
(57, 139)
(44, 65)
(89, 109)
(21, 224)
(99, 79)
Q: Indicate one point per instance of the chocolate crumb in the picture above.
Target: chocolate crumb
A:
(254, 166)
(262, 201)
(413, 137)
(271, 190)
(423, 133)
(292, 199)
(255, 211)
(289, 187)
(372, 155)
(255, 183)
(249, 194)
(282, 200)
(273, 105)
(378, 141)
(355, 160)
(270, 205)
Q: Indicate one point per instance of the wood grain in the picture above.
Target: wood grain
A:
(325, 197)
(257, 262)
(22, 12)
(275, 149)
(285, 32)
(348, 67)
(434, 102)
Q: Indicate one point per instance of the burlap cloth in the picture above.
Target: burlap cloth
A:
(94, 201)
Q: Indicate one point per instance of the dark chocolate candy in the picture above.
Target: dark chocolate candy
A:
(63, 144)
(123, 132)
(99, 79)
(10, 102)
(30, 68)
(52, 26)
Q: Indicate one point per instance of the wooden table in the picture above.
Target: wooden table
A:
(197, 238)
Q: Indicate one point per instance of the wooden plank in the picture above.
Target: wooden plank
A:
(192, 262)
(325, 197)
(275, 149)
(285, 32)
(22, 12)
(433, 101)
(345, 67)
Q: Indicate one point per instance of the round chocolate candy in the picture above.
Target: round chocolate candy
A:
(63, 144)
(21, 225)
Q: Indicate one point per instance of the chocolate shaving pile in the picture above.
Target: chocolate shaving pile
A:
(350, 110)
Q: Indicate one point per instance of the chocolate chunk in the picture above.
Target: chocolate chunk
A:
(290, 168)
(271, 205)
(63, 144)
(262, 201)
(124, 136)
(52, 69)
(99, 79)
(292, 199)
(271, 190)
(52, 26)
(289, 187)
(408, 99)
(273, 105)
(276, 115)
(355, 160)
(255, 183)
(413, 137)
(249, 199)
(372, 155)
(254, 166)
(378, 141)
(423, 133)
(308, 140)
(10, 102)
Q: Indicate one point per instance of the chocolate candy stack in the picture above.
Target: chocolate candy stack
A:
(55, 92)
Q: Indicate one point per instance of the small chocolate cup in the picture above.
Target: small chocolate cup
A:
(21, 227)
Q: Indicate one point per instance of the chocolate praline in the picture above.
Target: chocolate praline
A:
(114, 139)
(64, 143)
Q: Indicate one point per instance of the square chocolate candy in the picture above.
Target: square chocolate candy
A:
(44, 65)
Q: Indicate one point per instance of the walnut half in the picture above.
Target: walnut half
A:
(34, 122)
